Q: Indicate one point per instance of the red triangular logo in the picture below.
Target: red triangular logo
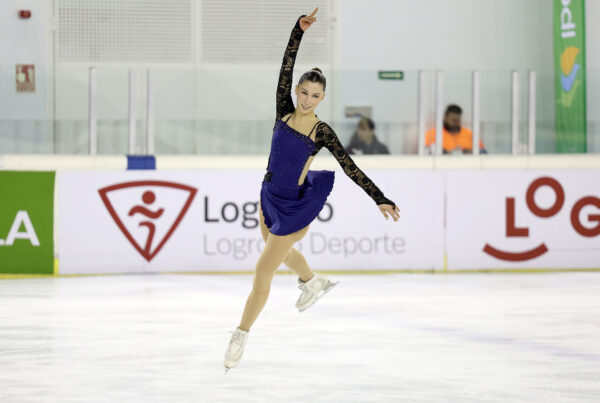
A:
(147, 212)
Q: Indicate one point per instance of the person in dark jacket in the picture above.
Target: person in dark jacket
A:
(364, 140)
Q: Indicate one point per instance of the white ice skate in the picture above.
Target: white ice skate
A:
(313, 290)
(235, 350)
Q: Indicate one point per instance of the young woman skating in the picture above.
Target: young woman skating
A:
(291, 196)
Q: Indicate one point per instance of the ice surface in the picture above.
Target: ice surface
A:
(417, 338)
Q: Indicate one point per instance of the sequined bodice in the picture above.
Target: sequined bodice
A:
(291, 149)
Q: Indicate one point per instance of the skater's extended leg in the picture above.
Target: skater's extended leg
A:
(294, 259)
(276, 249)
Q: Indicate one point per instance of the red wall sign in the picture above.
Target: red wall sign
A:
(25, 77)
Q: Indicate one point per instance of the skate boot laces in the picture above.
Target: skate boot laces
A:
(314, 285)
(237, 337)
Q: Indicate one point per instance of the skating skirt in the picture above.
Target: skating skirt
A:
(289, 210)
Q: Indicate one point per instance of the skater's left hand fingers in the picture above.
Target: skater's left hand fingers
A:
(391, 210)
(396, 213)
(385, 214)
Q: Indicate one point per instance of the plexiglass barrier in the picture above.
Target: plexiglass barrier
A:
(230, 110)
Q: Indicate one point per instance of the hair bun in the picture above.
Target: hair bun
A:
(317, 69)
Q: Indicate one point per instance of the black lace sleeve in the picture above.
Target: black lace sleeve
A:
(284, 103)
(326, 137)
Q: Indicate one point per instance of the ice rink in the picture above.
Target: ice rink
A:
(402, 337)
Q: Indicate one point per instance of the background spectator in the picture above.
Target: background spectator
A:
(364, 140)
(457, 139)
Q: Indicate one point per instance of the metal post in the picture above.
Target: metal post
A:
(421, 113)
(132, 118)
(149, 116)
(515, 112)
(476, 108)
(532, 112)
(439, 113)
(93, 117)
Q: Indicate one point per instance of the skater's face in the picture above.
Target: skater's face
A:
(308, 96)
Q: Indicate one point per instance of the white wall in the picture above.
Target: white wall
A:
(25, 41)
(449, 35)
(26, 118)
(492, 35)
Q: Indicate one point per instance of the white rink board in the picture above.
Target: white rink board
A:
(477, 215)
(210, 237)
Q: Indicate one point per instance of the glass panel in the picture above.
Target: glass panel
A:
(113, 109)
(230, 109)
(593, 110)
(25, 117)
(72, 104)
(545, 138)
(496, 111)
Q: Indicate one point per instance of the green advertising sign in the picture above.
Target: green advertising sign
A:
(26, 222)
(570, 72)
(391, 75)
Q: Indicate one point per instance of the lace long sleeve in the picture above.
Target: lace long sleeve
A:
(283, 101)
(326, 137)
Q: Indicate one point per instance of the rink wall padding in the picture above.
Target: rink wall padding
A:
(141, 162)
(454, 218)
(450, 220)
(151, 221)
(26, 222)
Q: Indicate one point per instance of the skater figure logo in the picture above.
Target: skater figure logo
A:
(513, 231)
(157, 209)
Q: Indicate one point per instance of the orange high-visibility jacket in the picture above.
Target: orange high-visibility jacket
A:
(462, 139)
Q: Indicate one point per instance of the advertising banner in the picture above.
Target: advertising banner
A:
(158, 221)
(26, 222)
(570, 76)
(523, 219)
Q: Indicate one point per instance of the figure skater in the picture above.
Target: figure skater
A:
(291, 196)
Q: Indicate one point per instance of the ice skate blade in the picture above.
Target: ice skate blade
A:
(325, 291)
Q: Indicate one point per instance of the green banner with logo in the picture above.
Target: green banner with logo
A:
(570, 72)
(26, 222)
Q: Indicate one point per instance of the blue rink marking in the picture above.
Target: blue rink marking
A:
(141, 162)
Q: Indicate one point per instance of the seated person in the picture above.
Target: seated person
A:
(364, 140)
(457, 139)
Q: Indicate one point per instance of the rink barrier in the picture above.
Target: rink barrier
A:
(141, 162)
(384, 163)
(47, 162)
(330, 272)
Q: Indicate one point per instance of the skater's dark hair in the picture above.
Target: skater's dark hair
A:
(314, 76)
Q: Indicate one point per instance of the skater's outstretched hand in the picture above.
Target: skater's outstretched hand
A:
(393, 211)
(306, 22)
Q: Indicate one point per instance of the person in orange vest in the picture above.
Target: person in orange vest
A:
(456, 137)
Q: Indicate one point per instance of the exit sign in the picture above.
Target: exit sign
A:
(391, 75)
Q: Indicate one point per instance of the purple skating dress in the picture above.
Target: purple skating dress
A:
(286, 206)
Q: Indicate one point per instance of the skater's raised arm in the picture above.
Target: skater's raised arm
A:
(330, 140)
(283, 101)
